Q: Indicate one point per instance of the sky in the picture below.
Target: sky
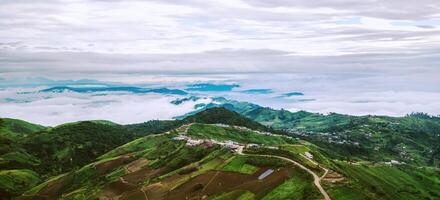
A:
(345, 56)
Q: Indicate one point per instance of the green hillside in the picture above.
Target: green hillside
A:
(196, 157)
(162, 167)
(223, 116)
(52, 151)
(411, 139)
(165, 167)
(15, 128)
(15, 182)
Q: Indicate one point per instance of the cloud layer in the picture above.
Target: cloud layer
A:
(354, 57)
(323, 27)
(58, 108)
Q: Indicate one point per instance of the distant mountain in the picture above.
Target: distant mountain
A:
(60, 89)
(291, 94)
(209, 87)
(183, 100)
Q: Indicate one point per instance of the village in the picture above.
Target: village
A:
(333, 138)
(233, 146)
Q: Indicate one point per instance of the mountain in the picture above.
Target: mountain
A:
(218, 153)
(410, 139)
(41, 152)
(224, 116)
(217, 161)
(46, 151)
(60, 89)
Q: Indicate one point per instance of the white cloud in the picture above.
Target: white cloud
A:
(126, 27)
(331, 50)
(54, 109)
(389, 103)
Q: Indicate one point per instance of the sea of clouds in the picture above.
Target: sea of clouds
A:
(22, 98)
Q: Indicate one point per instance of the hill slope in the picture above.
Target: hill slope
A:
(194, 157)
(15, 128)
(411, 139)
(206, 161)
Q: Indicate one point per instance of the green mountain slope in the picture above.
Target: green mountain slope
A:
(163, 167)
(51, 151)
(197, 156)
(197, 161)
(223, 116)
(15, 128)
(411, 139)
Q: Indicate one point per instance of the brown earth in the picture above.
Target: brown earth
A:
(115, 189)
(213, 182)
(142, 175)
(51, 191)
(127, 187)
(106, 166)
(136, 165)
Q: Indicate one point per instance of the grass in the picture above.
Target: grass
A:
(20, 157)
(300, 149)
(299, 186)
(15, 128)
(237, 194)
(238, 164)
(181, 157)
(393, 182)
(347, 192)
(147, 142)
(40, 186)
(17, 181)
(288, 154)
(205, 131)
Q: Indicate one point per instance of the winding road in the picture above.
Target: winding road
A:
(317, 179)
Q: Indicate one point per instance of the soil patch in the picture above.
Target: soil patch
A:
(106, 166)
(214, 182)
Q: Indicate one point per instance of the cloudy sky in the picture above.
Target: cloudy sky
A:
(354, 57)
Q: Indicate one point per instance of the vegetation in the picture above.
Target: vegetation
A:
(237, 194)
(224, 116)
(15, 129)
(411, 139)
(239, 164)
(388, 182)
(88, 160)
(15, 182)
(53, 151)
(68, 146)
(300, 186)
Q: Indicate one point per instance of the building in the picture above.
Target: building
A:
(308, 155)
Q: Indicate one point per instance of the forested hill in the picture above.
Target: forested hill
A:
(411, 139)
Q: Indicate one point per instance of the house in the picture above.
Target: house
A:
(308, 155)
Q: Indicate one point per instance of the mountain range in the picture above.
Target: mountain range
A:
(225, 150)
